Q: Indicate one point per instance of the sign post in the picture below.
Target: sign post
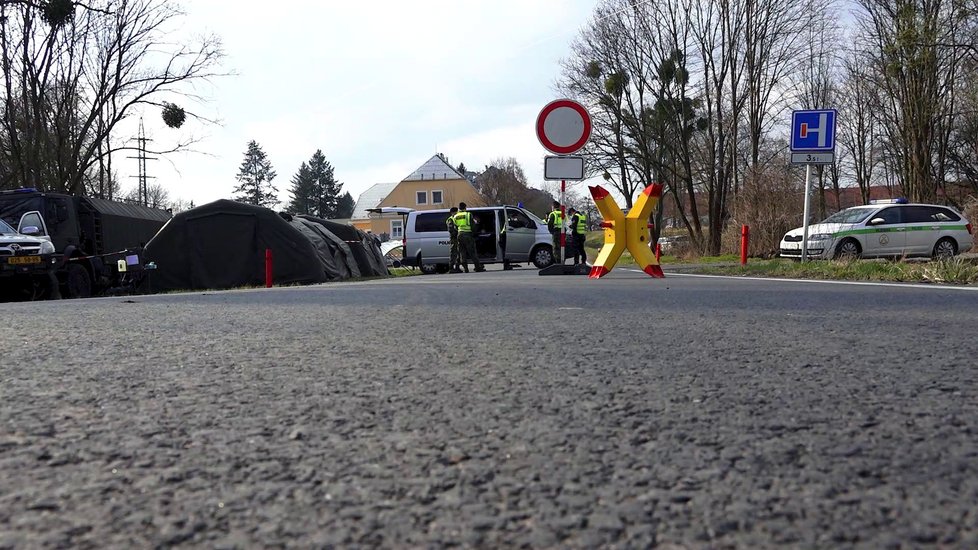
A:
(563, 127)
(812, 142)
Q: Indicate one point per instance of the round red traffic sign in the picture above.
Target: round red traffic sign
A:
(563, 126)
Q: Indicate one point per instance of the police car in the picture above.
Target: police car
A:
(890, 228)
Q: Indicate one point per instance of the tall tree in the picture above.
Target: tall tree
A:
(315, 190)
(72, 72)
(255, 178)
(326, 191)
(303, 192)
(344, 209)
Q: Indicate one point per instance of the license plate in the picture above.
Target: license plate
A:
(792, 246)
(23, 260)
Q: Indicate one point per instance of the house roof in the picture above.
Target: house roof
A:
(435, 169)
(371, 198)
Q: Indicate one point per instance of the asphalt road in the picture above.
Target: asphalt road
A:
(494, 410)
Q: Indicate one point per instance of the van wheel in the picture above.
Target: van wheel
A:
(542, 257)
(429, 269)
(441, 268)
(78, 284)
(944, 250)
(848, 249)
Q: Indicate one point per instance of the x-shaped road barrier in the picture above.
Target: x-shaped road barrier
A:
(621, 231)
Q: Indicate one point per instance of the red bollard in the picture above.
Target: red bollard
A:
(744, 241)
(268, 268)
(658, 251)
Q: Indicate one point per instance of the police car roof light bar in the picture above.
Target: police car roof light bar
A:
(899, 200)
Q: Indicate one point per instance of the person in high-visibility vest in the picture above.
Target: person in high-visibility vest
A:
(453, 241)
(578, 228)
(555, 223)
(466, 239)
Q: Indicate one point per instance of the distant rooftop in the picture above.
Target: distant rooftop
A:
(435, 169)
(370, 199)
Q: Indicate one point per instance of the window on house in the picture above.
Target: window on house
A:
(397, 229)
(422, 197)
(436, 197)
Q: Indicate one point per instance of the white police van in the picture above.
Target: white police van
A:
(426, 240)
(889, 228)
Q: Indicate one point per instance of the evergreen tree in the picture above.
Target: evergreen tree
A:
(255, 178)
(345, 207)
(325, 190)
(303, 188)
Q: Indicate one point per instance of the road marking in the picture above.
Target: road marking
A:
(932, 286)
(570, 308)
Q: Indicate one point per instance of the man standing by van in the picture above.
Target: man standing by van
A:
(466, 240)
(555, 223)
(578, 228)
(453, 241)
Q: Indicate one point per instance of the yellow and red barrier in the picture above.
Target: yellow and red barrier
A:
(626, 231)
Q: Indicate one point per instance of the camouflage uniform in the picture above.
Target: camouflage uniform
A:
(453, 243)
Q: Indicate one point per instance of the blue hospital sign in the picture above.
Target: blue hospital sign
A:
(813, 130)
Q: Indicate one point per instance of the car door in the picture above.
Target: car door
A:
(923, 228)
(33, 219)
(888, 236)
(521, 234)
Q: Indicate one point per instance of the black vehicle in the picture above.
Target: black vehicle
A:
(98, 242)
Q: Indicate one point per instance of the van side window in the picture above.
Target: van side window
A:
(519, 220)
(429, 222)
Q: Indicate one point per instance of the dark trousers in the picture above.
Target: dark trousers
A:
(466, 246)
(453, 244)
(577, 246)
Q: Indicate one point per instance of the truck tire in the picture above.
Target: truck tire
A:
(77, 284)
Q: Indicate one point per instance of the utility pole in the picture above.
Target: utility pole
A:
(143, 190)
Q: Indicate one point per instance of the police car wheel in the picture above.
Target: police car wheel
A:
(944, 250)
(848, 249)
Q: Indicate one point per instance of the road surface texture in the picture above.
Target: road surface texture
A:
(500, 409)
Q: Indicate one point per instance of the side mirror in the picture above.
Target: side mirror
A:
(31, 231)
(876, 221)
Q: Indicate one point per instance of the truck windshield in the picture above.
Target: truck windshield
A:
(5, 229)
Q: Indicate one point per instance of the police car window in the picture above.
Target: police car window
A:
(890, 215)
(917, 214)
(429, 222)
(849, 215)
(942, 215)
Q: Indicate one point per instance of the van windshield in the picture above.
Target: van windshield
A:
(849, 215)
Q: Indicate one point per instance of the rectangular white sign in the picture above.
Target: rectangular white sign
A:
(563, 168)
(812, 158)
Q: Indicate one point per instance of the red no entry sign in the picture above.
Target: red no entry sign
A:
(563, 126)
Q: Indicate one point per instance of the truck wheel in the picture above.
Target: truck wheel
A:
(78, 284)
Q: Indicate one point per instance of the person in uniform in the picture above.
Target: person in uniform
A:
(466, 239)
(555, 223)
(453, 241)
(578, 228)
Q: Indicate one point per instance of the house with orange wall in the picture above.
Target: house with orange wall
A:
(435, 184)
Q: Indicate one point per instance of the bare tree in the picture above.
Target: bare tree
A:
(916, 66)
(69, 81)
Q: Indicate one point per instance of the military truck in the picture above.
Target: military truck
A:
(97, 243)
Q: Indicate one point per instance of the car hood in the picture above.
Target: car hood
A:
(813, 229)
(8, 239)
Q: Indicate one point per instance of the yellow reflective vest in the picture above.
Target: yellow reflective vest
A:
(463, 221)
(578, 224)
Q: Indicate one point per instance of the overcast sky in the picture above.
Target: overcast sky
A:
(378, 86)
